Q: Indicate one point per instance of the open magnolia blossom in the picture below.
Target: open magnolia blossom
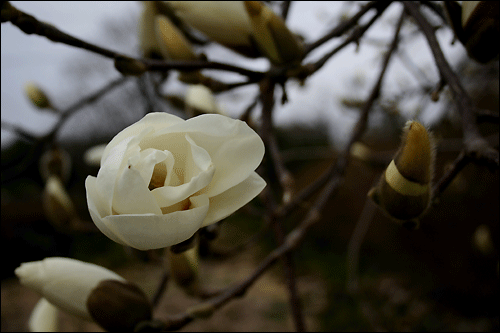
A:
(65, 283)
(163, 178)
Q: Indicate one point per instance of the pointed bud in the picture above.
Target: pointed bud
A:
(172, 43)
(482, 240)
(476, 25)
(93, 155)
(44, 317)
(57, 204)
(55, 162)
(117, 305)
(184, 268)
(64, 282)
(225, 22)
(199, 100)
(146, 30)
(480, 21)
(271, 34)
(404, 189)
(37, 96)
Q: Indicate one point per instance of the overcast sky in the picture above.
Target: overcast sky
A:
(32, 58)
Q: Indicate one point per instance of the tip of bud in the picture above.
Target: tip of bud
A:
(37, 96)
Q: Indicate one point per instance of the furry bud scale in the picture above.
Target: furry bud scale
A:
(404, 188)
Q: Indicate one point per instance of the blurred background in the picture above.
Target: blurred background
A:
(436, 278)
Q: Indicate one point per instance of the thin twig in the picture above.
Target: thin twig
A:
(356, 34)
(342, 28)
(30, 25)
(267, 99)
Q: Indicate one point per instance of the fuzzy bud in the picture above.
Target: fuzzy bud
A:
(37, 96)
(404, 189)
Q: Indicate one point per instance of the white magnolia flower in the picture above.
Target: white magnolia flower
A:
(163, 178)
(64, 282)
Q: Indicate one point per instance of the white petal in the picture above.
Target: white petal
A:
(44, 317)
(169, 195)
(156, 120)
(236, 150)
(233, 199)
(132, 195)
(64, 282)
(113, 163)
(146, 232)
(96, 209)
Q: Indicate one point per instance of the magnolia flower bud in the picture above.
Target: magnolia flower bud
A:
(117, 305)
(37, 96)
(482, 240)
(476, 25)
(146, 30)
(172, 43)
(404, 189)
(57, 204)
(64, 282)
(271, 34)
(55, 162)
(93, 155)
(184, 268)
(44, 317)
(225, 22)
(199, 100)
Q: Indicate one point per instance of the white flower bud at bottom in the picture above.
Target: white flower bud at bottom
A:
(64, 282)
(44, 317)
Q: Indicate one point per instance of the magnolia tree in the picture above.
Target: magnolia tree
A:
(166, 182)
